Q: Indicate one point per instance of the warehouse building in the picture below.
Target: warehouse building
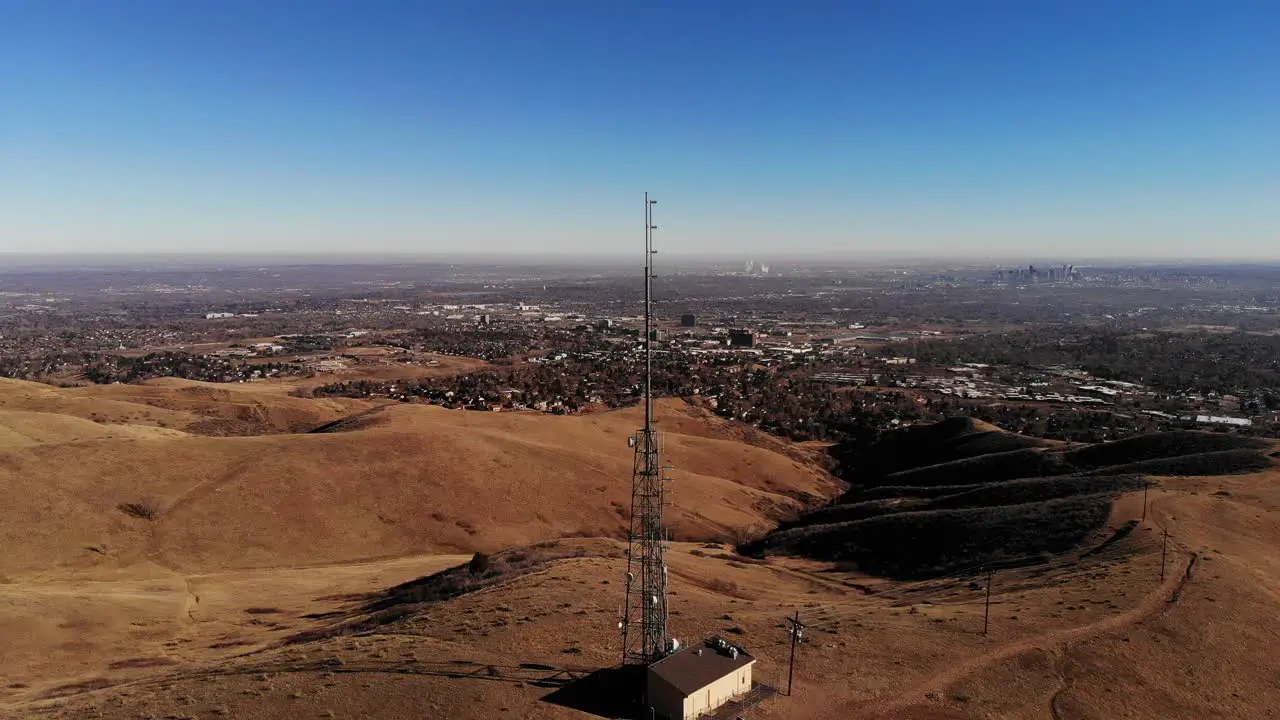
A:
(698, 679)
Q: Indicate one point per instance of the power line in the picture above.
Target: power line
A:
(831, 612)
(835, 614)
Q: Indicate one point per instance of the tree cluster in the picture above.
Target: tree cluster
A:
(114, 369)
(1175, 362)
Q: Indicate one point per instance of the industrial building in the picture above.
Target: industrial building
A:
(1216, 420)
(742, 338)
(698, 679)
(688, 320)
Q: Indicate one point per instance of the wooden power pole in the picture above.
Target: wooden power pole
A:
(797, 635)
(986, 613)
(1164, 550)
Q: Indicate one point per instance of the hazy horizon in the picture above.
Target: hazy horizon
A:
(777, 261)
(1130, 132)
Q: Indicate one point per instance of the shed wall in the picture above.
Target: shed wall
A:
(665, 700)
(722, 691)
(669, 702)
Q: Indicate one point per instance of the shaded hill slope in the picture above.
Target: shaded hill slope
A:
(923, 445)
(926, 543)
(908, 517)
(992, 467)
(1159, 446)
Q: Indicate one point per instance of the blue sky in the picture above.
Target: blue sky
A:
(899, 127)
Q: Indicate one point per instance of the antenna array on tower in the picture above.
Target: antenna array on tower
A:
(646, 600)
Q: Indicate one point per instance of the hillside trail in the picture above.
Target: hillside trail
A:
(1055, 642)
(195, 619)
(278, 581)
(232, 472)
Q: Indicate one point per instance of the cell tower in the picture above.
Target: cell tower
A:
(646, 603)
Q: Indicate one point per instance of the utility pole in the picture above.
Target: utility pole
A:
(1164, 550)
(797, 635)
(986, 613)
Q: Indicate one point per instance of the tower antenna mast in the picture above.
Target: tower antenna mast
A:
(646, 601)
(649, 252)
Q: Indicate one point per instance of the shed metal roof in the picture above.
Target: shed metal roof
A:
(697, 666)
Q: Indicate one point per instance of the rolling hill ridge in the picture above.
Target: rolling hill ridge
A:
(959, 494)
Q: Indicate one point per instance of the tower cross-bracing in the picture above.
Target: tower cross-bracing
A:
(644, 621)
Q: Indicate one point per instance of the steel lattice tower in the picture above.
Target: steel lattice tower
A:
(646, 602)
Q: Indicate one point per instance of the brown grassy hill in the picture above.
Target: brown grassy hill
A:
(24, 428)
(1101, 635)
(190, 406)
(228, 408)
(413, 479)
(264, 588)
(37, 397)
(130, 547)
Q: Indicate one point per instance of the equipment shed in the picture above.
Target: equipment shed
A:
(698, 679)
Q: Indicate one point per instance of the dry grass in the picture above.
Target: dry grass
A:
(1097, 638)
(264, 538)
(123, 543)
(418, 479)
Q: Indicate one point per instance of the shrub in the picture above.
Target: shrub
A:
(893, 492)
(1173, 443)
(404, 600)
(144, 510)
(726, 587)
(929, 543)
(744, 534)
(1225, 462)
(460, 579)
(922, 445)
(1028, 490)
(1010, 465)
(847, 512)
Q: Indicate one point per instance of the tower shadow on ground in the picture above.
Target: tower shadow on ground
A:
(614, 692)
